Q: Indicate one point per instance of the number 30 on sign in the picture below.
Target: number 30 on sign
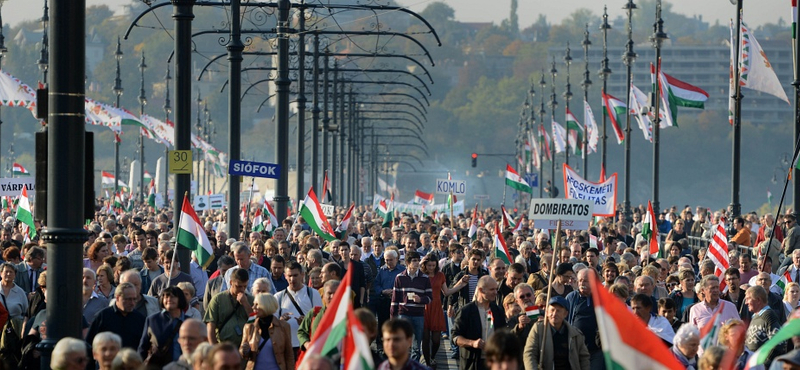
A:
(180, 162)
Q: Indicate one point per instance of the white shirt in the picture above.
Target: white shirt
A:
(773, 287)
(303, 300)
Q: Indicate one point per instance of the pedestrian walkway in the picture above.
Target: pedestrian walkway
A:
(443, 360)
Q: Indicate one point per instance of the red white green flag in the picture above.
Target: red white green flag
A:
(192, 236)
(650, 230)
(25, 216)
(342, 228)
(626, 341)
(500, 249)
(258, 221)
(273, 219)
(614, 109)
(339, 332)
(508, 221)
(312, 213)
(473, 226)
(515, 181)
(18, 170)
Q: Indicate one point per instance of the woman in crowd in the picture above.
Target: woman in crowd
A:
(160, 332)
(677, 233)
(14, 298)
(258, 248)
(267, 341)
(731, 336)
(97, 252)
(686, 344)
(105, 286)
(434, 323)
(195, 308)
(684, 297)
(791, 296)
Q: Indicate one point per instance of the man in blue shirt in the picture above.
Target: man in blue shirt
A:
(383, 285)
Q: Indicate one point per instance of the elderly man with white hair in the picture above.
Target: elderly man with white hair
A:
(69, 354)
(105, 347)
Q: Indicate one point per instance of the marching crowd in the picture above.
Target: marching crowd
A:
(416, 282)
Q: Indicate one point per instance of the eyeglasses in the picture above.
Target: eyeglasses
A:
(526, 295)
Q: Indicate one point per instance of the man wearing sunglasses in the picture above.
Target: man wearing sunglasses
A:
(522, 324)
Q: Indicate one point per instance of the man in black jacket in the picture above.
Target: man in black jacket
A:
(120, 319)
(471, 338)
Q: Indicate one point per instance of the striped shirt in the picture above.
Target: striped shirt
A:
(405, 283)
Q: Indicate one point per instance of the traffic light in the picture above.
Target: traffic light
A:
(474, 159)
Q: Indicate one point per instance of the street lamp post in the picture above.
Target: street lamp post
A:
(586, 84)
(199, 126)
(658, 39)
(604, 73)
(43, 61)
(628, 57)
(325, 117)
(301, 103)
(3, 51)
(339, 183)
(315, 116)
(736, 207)
(282, 84)
(567, 97)
(118, 90)
(167, 111)
(142, 103)
(553, 105)
(542, 133)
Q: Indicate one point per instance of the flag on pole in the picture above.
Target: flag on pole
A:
(683, 94)
(667, 110)
(626, 341)
(342, 228)
(192, 236)
(536, 151)
(640, 110)
(500, 249)
(544, 139)
(273, 219)
(312, 213)
(18, 170)
(650, 231)
(755, 71)
(559, 137)
(574, 134)
(421, 197)
(107, 181)
(710, 331)
(25, 216)
(151, 197)
(117, 200)
(508, 221)
(326, 190)
(473, 226)
(591, 127)
(614, 109)
(339, 332)
(515, 181)
(258, 220)
(784, 280)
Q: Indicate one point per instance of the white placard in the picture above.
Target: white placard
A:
(602, 194)
(457, 187)
(560, 209)
(327, 210)
(12, 187)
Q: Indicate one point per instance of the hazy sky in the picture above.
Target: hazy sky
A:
(756, 12)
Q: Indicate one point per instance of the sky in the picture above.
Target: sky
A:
(756, 12)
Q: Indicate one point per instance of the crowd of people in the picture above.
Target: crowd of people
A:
(416, 283)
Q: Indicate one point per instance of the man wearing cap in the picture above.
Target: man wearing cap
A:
(470, 337)
(397, 236)
(789, 361)
(563, 346)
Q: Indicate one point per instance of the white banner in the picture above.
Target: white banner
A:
(603, 194)
(12, 186)
(416, 209)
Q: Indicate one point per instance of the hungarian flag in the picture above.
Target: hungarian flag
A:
(533, 312)
(517, 225)
(312, 213)
(423, 198)
(544, 139)
(340, 332)
(251, 318)
(383, 208)
(473, 226)
(108, 181)
(684, 94)
(650, 231)
(258, 221)
(192, 236)
(614, 109)
(118, 200)
(273, 219)
(784, 280)
(151, 197)
(18, 170)
(508, 221)
(574, 134)
(326, 190)
(451, 200)
(147, 177)
(342, 228)
(626, 341)
(710, 331)
(515, 181)
(500, 249)
(25, 216)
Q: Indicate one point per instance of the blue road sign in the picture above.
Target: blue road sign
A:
(532, 179)
(254, 169)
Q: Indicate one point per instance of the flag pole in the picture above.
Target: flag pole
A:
(783, 196)
(556, 245)
(175, 247)
(247, 213)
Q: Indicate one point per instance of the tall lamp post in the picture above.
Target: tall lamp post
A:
(118, 90)
(142, 103)
(3, 51)
(43, 61)
(586, 84)
(167, 111)
(604, 73)
(736, 207)
(658, 39)
(567, 97)
(531, 131)
(628, 57)
(553, 105)
(542, 133)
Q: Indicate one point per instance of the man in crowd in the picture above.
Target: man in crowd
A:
(228, 311)
(700, 313)
(120, 318)
(172, 275)
(470, 336)
(412, 291)
(296, 301)
(241, 253)
(582, 317)
(397, 339)
(564, 346)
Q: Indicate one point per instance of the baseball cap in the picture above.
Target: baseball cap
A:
(559, 301)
